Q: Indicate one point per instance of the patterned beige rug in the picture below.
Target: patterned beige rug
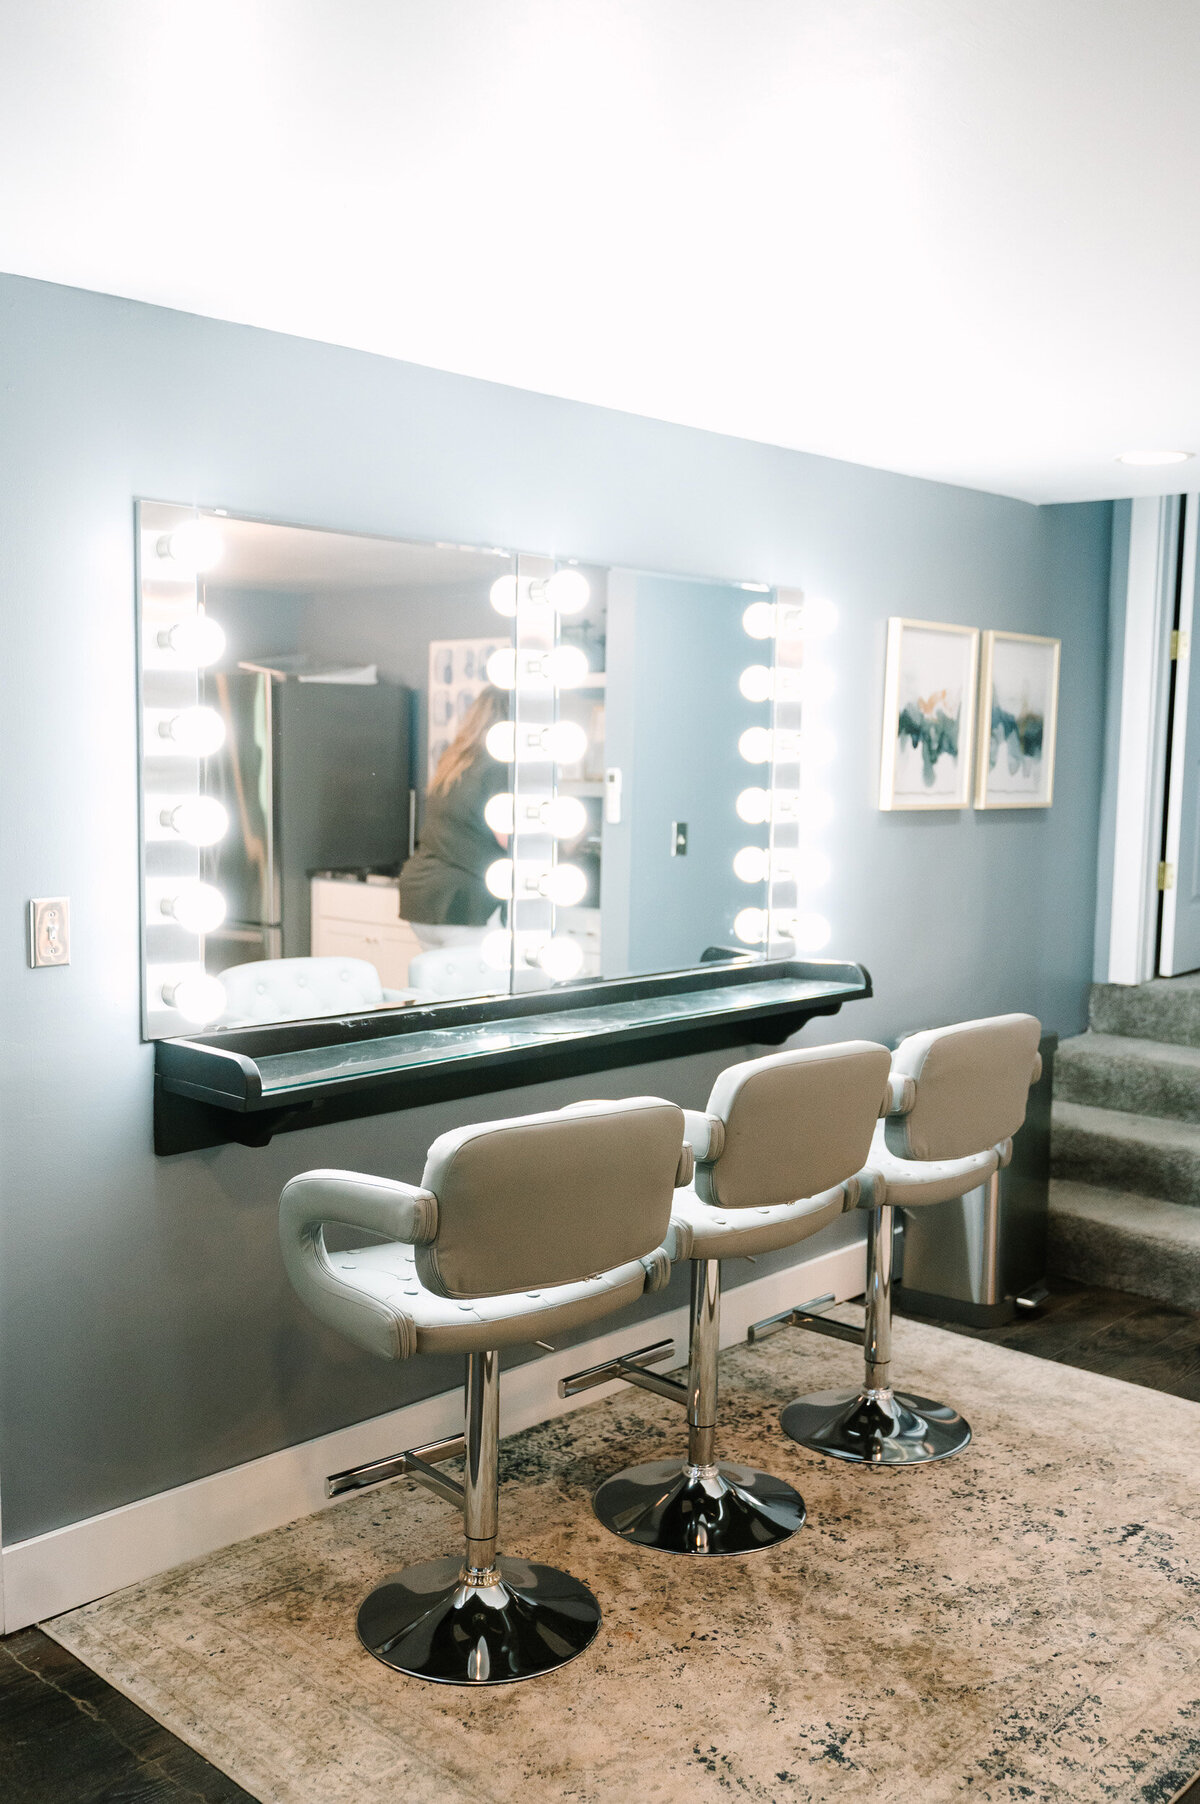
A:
(1017, 1623)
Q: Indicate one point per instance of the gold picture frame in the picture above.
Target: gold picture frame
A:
(1018, 720)
(929, 694)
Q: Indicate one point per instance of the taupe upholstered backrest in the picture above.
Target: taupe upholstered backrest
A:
(549, 1199)
(796, 1123)
(972, 1083)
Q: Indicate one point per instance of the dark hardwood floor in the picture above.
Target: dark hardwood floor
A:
(68, 1738)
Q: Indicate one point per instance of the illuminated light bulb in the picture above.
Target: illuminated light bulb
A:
(198, 907)
(200, 999)
(201, 820)
(754, 807)
(194, 545)
(756, 683)
(751, 864)
(759, 620)
(498, 812)
(503, 596)
(496, 950)
(818, 683)
(565, 817)
(568, 666)
(818, 746)
(199, 641)
(755, 745)
(561, 958)
(812, 807)
(565, 742)
(808, 867)
(568, 591)
(564, 885)
(197, 731)
(502, 668)
(810, 932)
(499, 879)
(750, 926)
(819, 616)
(501, 741)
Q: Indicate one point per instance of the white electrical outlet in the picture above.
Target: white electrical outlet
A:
(50, 931)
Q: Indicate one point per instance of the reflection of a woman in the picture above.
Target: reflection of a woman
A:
(442, 891)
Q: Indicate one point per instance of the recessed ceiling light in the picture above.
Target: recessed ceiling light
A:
(1147, 458)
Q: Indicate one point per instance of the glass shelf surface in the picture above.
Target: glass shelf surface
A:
(285, 1072)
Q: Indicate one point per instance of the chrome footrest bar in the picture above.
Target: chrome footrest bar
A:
(810, 1315)
(630, 1367)
(417, 1462)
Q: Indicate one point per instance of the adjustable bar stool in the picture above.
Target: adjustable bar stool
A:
(957, 1096)
(518, 1229)
(794, 1125)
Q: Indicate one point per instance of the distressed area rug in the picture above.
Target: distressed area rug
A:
(1022, 1622)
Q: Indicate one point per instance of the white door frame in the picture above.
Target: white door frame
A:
(1176, 774)
(1142, 643)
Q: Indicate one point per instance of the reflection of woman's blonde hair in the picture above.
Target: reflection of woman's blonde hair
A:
(489, 706)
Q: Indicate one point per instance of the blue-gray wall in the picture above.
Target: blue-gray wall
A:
(147, 1335)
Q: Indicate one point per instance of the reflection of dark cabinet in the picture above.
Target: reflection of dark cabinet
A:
(315, 776)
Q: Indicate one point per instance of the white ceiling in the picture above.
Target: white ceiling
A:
(951, 237)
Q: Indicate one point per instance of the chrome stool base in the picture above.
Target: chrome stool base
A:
(876, 1428)
(699, 1509)
(435, 1622)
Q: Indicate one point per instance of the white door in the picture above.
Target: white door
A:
(1180, 939)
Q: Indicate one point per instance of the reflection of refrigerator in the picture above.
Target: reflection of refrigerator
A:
(315, 776)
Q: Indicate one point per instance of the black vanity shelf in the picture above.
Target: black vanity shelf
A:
(247, 1084)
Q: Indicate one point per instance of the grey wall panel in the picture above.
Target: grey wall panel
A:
(147, 1332)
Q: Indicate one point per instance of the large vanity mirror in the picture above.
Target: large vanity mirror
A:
(379, 774)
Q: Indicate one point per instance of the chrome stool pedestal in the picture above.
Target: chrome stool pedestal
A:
(695, 1506)
(479, 1620)
(875, 1425)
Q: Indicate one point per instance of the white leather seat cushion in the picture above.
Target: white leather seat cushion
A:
(707, 1231)
(291, 989)
(427, 1323)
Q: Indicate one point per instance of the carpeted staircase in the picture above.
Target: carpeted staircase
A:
(1125, 1195)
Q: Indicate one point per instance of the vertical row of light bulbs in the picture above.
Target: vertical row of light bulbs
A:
(793, 805)
(188, 645)
(522, 809)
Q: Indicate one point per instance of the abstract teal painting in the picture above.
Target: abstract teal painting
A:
(1018, 721)
(929, 713)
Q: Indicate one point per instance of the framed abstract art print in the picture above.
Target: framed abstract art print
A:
(928, 715)
(1018, 721)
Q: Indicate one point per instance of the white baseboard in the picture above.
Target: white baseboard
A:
(70, 1566)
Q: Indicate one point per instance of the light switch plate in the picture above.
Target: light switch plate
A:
(678, 839)
(50, 931)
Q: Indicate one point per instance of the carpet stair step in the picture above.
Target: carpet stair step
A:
(1167, 1009)
(1118, 1150)
(1125, 1242)
(1138, 1077)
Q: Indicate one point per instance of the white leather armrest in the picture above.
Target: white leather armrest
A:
(705, 1134)
(384, 1206)
(900, 1095)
